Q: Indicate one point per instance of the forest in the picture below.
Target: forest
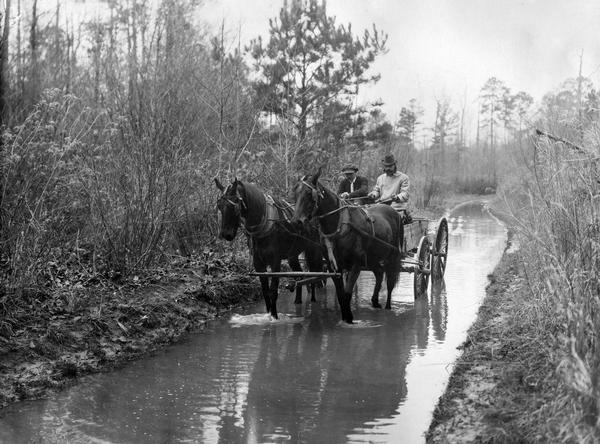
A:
(113, 130)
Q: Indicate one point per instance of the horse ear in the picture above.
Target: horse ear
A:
(237, 185)
(315, 178)
(219, 185)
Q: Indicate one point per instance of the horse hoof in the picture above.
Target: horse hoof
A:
(388, 307)
(376, 304)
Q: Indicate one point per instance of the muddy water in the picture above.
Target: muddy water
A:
(305, 378)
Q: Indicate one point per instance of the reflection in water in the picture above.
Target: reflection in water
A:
(304, 378)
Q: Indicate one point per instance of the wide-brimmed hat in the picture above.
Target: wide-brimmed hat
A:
(349, 169)
(388, 160)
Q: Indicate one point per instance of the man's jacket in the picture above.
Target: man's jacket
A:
(359, 188)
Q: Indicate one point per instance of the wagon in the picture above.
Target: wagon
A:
(425, 254)
(426, 249)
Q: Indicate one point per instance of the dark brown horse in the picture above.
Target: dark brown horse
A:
(355, 238)
(272, 236)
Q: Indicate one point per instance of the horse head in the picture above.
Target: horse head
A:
(308, 193)
(231, 205)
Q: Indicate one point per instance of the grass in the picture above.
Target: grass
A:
(505, 387)
(530, 371)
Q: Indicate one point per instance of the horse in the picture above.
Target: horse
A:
(271, 236)
(355, 238)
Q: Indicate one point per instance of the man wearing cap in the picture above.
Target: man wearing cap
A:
(392, 186)
(353, 186)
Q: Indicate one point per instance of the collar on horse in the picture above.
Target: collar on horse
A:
(344, 220)
(268, 220)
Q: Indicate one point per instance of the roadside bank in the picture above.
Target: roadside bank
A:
(504, 387)
(49, 341)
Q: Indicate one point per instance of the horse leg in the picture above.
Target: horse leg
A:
(378, 281)
(260, 267)
(347, 297)
(314, 260)
(339, 291)
(295, 266)
(275, 268)
(391, 277)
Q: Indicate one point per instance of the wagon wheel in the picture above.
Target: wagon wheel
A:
(440, 253)
(421, 277)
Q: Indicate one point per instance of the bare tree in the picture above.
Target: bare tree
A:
(4, 67)
(493, 96)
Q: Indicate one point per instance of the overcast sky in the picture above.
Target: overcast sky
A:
(451, 47)
(444, 48)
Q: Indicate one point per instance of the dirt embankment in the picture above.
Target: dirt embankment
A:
(468, 409)
(503, 385)
(47, 342)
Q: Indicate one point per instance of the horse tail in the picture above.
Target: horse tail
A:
(400, 234)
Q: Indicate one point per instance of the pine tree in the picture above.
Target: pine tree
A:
(310, 61)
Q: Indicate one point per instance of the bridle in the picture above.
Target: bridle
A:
(241, 208)
(236, 202)
(239, 204)
(317, 195)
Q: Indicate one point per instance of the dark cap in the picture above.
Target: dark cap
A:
(349, 169)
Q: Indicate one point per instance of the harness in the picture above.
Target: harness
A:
(267, 222)
(275, 211)
(344, 220)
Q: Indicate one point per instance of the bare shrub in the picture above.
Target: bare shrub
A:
(135, 187)
(43, 209)
(558, 216)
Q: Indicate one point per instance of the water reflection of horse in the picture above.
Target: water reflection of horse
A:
(271, 235)
(355, 238)
(306, 385)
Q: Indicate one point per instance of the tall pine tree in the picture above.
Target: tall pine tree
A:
(310, 61)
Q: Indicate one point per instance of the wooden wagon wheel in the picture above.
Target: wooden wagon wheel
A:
(421, 274)
(440, 253)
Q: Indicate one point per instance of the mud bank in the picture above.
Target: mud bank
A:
(501, 386)
(49, 342)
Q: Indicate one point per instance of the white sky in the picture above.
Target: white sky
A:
(443, 48)
(450, 48)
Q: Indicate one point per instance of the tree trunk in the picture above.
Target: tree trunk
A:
(57, 49)
(492, 145)
(4, 70)
(34, 81)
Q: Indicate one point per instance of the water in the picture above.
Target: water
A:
(304, 378)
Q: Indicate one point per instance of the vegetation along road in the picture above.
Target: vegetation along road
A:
(112, 135)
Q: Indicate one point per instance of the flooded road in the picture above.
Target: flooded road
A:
(305, 378)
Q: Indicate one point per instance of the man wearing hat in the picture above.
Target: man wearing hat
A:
(353, 186)
(392, 186)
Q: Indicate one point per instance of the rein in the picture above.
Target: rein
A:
(316, 194)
